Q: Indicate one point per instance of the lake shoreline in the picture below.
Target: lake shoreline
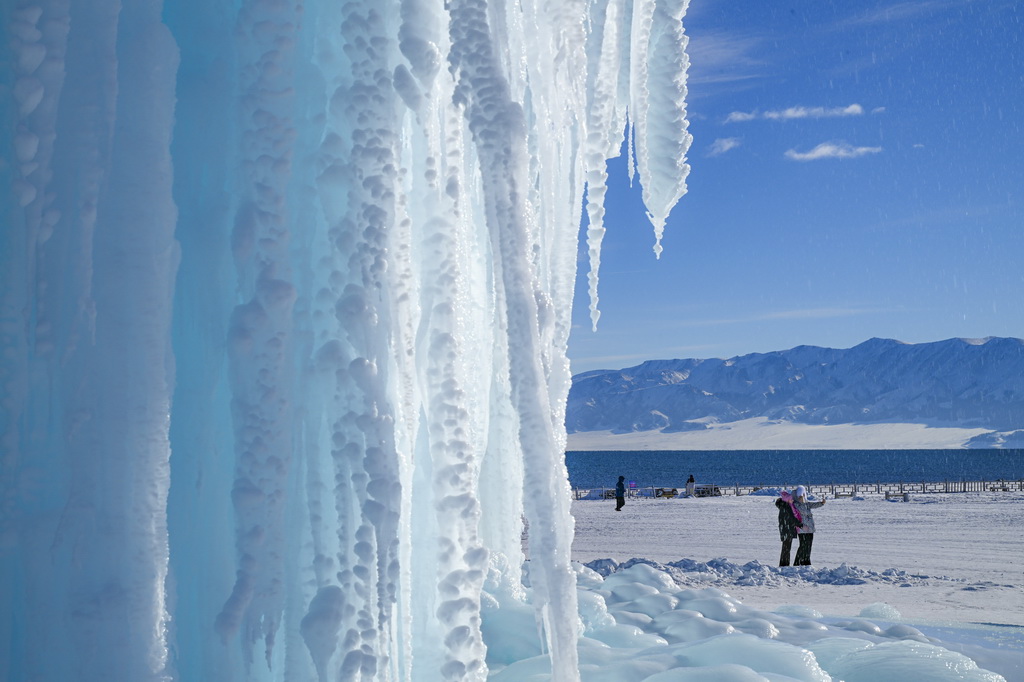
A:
(763, 434)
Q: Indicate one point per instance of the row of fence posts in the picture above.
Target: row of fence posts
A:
(832, 489)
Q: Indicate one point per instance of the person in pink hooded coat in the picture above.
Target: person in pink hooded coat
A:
(806, 530)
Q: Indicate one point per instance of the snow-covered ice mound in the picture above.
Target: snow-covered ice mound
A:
(645, 621)
(721, 572)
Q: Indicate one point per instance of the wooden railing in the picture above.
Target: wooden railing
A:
(828, 489)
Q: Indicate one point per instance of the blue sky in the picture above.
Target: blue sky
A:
(856, 171)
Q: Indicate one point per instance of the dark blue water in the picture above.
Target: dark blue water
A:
(791, 467)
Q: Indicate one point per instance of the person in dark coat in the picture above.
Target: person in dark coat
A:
(806, 530)
(789, 523)
(620, 493)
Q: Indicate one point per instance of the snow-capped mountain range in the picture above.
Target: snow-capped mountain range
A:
(971, 390)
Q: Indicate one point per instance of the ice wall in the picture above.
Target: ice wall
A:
(284, 326)
(89, 260)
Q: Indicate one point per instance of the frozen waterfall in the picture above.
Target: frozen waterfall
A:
(286, 298)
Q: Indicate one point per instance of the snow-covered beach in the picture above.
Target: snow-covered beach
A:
(963, 553)
(759, 433)
(896, 588)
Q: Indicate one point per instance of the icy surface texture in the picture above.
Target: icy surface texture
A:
(286, 298)
(644, 621)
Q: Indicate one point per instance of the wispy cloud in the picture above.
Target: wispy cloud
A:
(724, 59)
(898, 12)
(814, 313)
(793, 113)
(723, 144)
(832, 150)
(794, 314)
(913, 20)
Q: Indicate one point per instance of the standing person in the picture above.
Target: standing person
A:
(789, 522)
(620, 493)
(806, 530)
(690, 483)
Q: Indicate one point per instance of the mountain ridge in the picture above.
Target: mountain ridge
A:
(975, 384)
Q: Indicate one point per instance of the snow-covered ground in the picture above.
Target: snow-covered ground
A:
(963, 553)
(760, 433)
(931, 588)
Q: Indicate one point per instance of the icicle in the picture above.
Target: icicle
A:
(605, 120)
(360, 187)
(497, 126)
(462, 559)
(658, 106)
(630, 155)
(260, 329)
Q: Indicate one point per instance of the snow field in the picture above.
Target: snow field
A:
(897, 588)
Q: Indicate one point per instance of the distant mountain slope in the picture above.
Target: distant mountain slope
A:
(958, 382)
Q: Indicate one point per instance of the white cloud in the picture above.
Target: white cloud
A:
(832, 150)
(740, 116)
(814, 112)
(723, 144)
(793, 113)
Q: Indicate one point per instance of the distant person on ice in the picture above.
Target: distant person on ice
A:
(789, 522)
(690, 483)
(620, 493)
(806, 530)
